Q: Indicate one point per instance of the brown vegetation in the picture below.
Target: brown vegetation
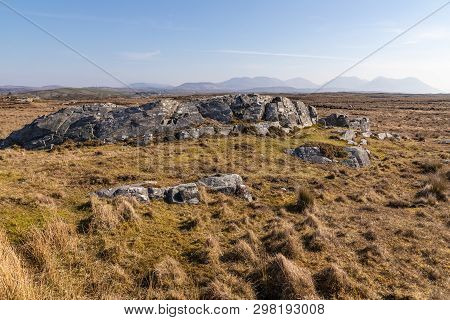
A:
(377, 232)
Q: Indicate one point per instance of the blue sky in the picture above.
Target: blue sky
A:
(179, 41)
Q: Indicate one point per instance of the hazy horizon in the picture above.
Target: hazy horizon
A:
(176, 42)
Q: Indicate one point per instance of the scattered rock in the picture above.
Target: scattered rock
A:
(225, 183)
(358, 157)
(310, 154)
(387, 135)
(183, 193)
(136, 191)
(348, 135)
(342, 120)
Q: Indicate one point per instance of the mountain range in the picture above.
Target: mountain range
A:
(271, 85)
(296, 85)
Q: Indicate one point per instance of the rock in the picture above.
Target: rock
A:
(183, 193)
(446, 141)
(157, 193)
(165, 119)
(348, 135)
(225, 130)
(206, 131)
(249, 107)
(243, 192)
(363, 142)
(217, 108)
(342, 120)
(135, 191)
(384, 135)
(290, 114)
(335, 120)
(360, 124)
(225, 183)
(263, 128)
(188, 134)
(358, 157)
(367, 134)
(310, 154)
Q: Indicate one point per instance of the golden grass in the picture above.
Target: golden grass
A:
(62, 244)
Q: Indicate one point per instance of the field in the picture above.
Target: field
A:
(381, 232)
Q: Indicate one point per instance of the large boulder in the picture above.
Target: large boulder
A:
(165, 119)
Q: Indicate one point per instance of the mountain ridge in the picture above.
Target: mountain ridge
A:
(262, 84)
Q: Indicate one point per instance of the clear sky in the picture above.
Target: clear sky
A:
(182, 41)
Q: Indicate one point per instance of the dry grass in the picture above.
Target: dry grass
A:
(305, 200)
(63, 245)
(15, 280)
(283, 279)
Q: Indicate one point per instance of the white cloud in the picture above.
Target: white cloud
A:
(276, 54)
(140, 56)
(429, 35)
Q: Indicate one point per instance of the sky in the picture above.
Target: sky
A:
(173, 42)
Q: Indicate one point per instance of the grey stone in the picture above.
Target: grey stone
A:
(217, 108)
(225, 183)
(367, 134)
(342, 120)
(188, 134)
(311, 154)
(363, 142)
(135, 191)
(206, 131)
(335, 120)
(358, 154)
(242, 191)
(348, 135)
(156, 193)
(224, 130)
(360, 124)
(183, 193)
(384, 135)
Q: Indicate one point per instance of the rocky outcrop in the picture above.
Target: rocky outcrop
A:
(166, 119)
(342, 120)
(188, 193)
